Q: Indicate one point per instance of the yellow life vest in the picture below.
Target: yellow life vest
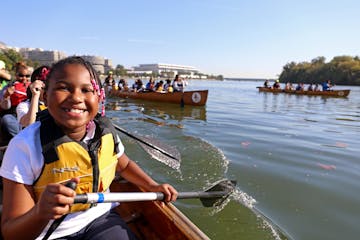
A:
(94, 163)
(42, 107)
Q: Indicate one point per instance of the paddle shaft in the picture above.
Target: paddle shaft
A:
(144, 142)
(182, 103)
(141, 196)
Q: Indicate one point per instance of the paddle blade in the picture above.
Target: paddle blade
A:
(171, 159)
(225, 186)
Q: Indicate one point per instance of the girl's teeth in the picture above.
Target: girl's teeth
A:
(76, 110)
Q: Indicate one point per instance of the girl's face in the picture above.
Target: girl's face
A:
(23, 75)
(71, 99)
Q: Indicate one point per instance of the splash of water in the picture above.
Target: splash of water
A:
(249, 202)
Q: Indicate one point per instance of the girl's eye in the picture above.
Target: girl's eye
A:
(88, 90)
(62, 87)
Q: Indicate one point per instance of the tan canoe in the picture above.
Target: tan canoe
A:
(333, 93)
(194, 98)
(149, 220)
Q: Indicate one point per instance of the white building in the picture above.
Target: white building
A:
(167, 69)
(44, 57)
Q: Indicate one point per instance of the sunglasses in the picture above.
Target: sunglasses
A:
(22, 75)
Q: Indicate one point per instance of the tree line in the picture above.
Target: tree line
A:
(11, 57)
(341, 70)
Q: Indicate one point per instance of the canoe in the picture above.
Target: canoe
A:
(332, 93)
(149, 220)
(193, 98)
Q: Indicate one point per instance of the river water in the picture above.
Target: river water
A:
(295, 159)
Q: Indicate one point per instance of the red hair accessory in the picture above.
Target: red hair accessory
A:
(44, 72)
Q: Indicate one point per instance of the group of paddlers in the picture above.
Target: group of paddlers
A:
(325, 86)
(21, 98)
(167, 86)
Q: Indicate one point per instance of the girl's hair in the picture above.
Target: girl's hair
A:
(20, 66)
(40, 73)
(95, 80)
(74, 60)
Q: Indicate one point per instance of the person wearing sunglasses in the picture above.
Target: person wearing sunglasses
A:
(13, 94)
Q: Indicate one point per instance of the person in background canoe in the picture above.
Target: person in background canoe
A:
(168, 87)
(300, 87)
(317, 87)
(160, 86)
(5, 76)
(276, 84)
(267, 84)
(289, 87)
(12, 96)
(26, 111)
(138, 86)
(123, 85)
(70, 142)
(150, 85)
(109, 81)
(178, 84)
(327, 86)
(114, 86)
(310, 87)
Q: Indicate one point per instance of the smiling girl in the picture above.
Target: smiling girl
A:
(70, 142)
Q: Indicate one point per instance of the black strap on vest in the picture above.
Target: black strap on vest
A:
(53, 227)
(57, 222)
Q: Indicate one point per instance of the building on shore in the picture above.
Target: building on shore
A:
(43, 57)
(166, 70)
(100, 64)
(48, 57)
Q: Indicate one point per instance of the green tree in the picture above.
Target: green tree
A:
(120, 70)
(341, 70)
(10, 57)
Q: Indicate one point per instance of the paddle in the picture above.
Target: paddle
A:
(170, 156)
(213, 196)
(182, 103)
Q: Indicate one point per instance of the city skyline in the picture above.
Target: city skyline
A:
(243, 39)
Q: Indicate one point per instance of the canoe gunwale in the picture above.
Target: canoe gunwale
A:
(150, 220)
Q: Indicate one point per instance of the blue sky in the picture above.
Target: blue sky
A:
(235, 38)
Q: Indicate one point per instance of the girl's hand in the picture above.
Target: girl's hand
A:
(9, 91)
(55, 201)
(168, 190)
(36, 87)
